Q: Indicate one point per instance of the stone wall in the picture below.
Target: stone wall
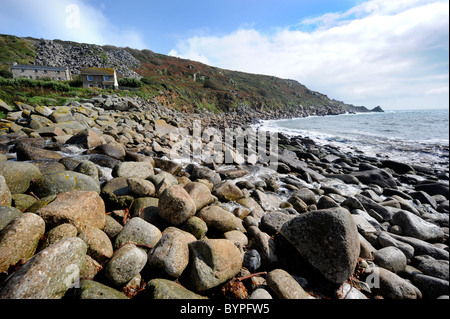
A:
(39, 73)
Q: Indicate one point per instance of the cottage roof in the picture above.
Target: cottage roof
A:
(97, 71)
(39, 67)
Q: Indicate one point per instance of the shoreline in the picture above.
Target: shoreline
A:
(418, 152)
(250, 228)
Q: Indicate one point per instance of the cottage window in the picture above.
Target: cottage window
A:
(106, 78)
(22, 70)
(35, 71)
(90, 78)
(45, 71)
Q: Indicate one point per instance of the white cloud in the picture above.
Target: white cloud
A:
(74, 20)
(380, 52)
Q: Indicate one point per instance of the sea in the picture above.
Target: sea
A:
(419, 137)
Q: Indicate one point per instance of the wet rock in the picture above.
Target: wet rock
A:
(111, 149)
(175, 205)
(227, 191)
(370, 204)
(431, 287)
(170, 167)
(434, 189)
(306, 195)
(376, 176)
(103, 160)
(328, 240)
(79, 208)
(268, 201)
(27, 153)
(19, 239)
(212, 262)
(422, 247)
(125, 264)
(386, 240)
(48, 274)
(398, 167)
(198, 172)
(435, 268)
(414, 226)
(86, 138)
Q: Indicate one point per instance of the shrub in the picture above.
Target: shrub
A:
(213, 85)
(130, 82)
(30, 83)
(6, 74)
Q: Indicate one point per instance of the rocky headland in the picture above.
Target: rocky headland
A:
(94, 204)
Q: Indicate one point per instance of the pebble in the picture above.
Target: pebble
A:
(108, 196)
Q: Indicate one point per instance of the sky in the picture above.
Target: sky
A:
(392, 53)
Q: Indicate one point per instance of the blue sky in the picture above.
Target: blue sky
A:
(365, 52)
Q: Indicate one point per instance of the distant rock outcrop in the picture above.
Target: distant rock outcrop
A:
(377, 109)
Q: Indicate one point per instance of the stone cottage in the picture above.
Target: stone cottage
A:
(41, 71)
(99, 77)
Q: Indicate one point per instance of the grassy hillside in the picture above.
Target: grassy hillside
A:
(187, 85)
(14, 49)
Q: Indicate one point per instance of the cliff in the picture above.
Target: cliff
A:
(179, 84)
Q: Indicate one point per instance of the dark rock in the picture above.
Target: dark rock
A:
(434, 189)
(112, 149)
(431, 287)
(252, 260)
(399, 168)
(328, 240)
(272, 222)
(414, 226)
(376, 176)
(117, 194)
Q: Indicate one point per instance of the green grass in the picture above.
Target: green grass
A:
(14, 49)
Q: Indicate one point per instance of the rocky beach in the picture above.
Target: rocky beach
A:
(96, 204)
